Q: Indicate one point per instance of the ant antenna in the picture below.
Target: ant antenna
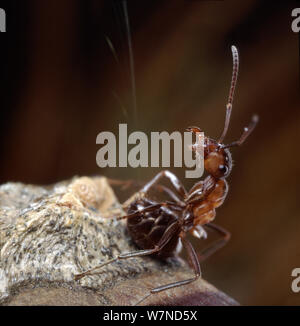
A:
(247, 131)
(235, 69)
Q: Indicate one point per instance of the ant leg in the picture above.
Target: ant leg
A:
(152, 208)
(125, 184)
(173, 179)
(171, 176)
(196, 266)
(166, 237)
(177, 206)
(161, 188)
(216, 245)
(138, 212)
(171, 194)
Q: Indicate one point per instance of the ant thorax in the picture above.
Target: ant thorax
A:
(204, 212)
(217, 164)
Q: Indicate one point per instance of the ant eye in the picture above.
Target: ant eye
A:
(223, 169)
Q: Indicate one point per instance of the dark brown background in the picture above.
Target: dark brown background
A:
(58, 81)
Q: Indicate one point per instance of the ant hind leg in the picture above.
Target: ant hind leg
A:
(195, 264)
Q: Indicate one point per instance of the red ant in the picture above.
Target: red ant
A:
(159, 228)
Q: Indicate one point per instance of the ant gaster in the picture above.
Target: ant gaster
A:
(159, 228)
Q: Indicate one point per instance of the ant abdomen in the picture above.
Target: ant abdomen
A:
(147, 228)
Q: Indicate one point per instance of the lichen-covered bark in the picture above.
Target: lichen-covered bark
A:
(48, 234)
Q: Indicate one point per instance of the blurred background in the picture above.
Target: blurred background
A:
(65, 77)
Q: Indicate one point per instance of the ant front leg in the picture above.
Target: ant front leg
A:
(171, 177)
(153, 184)
(152, 208)
(216, 245)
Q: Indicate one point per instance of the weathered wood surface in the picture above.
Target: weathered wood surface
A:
(48, 234)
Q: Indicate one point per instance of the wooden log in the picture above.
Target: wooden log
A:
(49, 234)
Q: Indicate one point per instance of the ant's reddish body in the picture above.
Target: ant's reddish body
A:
(158, 228)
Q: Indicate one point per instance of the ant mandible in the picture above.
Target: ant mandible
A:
(159, 229)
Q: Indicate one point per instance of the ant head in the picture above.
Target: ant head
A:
(217, 157)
